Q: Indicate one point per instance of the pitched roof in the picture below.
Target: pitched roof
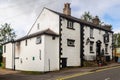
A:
(80, 21)
(44, 32)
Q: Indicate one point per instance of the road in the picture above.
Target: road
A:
(76, 74)
(110, 74)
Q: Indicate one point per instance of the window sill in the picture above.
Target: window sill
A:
(71, 28)
(106, 53)
(91, 37)
(71, 45)
(91, 52)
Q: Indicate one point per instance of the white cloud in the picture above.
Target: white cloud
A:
(22, 14)
(107, 10)
(94, 6)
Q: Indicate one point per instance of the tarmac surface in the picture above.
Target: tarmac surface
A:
(57, 75)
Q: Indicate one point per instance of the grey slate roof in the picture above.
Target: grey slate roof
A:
(90, 24)
(44, 32)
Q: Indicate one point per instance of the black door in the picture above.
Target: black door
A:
(98, 47)
(64, 62)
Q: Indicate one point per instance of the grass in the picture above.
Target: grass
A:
(2, 65)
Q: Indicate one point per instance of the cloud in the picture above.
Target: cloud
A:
(22, 14)
(94, 6)
(108, 11)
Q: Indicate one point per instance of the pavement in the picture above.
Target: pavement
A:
(56, 75)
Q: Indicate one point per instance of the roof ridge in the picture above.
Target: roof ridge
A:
(46, 32)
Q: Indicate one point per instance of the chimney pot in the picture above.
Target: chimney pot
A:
(67, 9)
(96, 20)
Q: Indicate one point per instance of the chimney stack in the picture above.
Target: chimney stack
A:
(67, 9)
(96, 20)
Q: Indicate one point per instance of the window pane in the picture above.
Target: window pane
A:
(38, 40)
(91, 46)
(70, 25)
(25, 42)
(71, 42)
(91, 32)
(4, 48)
(106, 48)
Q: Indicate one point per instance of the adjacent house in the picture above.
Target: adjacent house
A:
(58, 40)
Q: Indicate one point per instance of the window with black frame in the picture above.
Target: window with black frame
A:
(91, 46)
(38, 40)
(106, 48)
(70, 25)
(4, 48)
(106, 37)
(91, 33)
(71, 42)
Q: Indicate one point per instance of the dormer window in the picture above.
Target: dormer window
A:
(70, 25)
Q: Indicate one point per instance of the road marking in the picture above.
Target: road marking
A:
(85, 73)
(75, 75)
(107, 69)
(107, 78)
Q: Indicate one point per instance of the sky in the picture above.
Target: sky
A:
(21, 14)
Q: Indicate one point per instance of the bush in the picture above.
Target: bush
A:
(90, 64)
(3, 66)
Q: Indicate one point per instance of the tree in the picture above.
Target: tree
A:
(6, 33)
(116, 40)
(0, 55)
(87, 16)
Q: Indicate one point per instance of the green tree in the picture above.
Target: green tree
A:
(0, 54)
(116, 40)
(87, 16)
(6, 33)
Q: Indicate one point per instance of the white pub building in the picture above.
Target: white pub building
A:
(58, 40)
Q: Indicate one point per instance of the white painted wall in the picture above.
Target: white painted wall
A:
(8, 55)
(51, 60)
(49, 55)
(47, 19)
(50, 48)
(24, 54)
(25, 61)
(71, 53)
(98, 35)
(110, 45)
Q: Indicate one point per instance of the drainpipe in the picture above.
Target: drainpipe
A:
(49, 64)
(13, 53)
